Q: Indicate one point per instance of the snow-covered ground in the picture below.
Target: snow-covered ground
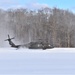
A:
(57, 61)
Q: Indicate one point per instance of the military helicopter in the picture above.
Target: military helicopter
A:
(39, 45)
(31, 45)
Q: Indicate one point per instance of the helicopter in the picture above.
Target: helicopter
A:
(39, 45)
(30, 45)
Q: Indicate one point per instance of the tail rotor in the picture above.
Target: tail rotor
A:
(9, 38)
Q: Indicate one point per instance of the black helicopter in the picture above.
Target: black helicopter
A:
(39, 45)
(31, 45)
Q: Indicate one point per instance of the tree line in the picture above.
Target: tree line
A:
(52, 25)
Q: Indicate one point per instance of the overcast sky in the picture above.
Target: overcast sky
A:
(35, 4)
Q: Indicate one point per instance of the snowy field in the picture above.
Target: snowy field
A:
(57, 61)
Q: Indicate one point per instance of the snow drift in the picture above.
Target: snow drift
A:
(57, 61)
